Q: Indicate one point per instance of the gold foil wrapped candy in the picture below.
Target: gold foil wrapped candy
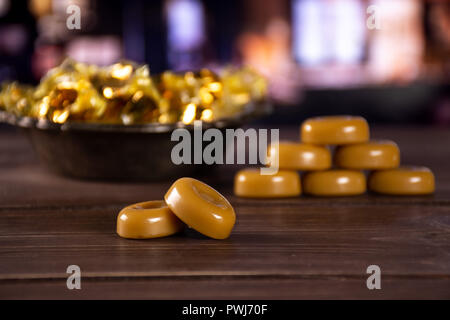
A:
(190, 96)
(125, 93)
(120, 93)
(16, 99)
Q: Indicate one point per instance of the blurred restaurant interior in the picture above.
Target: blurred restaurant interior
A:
(320, 56)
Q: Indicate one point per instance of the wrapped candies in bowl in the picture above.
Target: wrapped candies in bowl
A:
(116, 122)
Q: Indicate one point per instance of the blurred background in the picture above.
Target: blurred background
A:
(386, 60)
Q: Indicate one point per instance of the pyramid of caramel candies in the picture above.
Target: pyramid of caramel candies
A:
(338, 173)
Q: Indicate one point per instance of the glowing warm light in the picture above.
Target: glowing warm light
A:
(189, 113)
(43, 107)
(242, 178)
(205, 96)
(308, 156)
(164, 118)
(215, 87)
(60, 116)
(67, 85)
(415, 179)
(343, 180)
(396, 50)
(307, 127)
(207, 115)
(189, 78)
(108, 93)
(121, 72)
(137, 96)
(349, 129)
(217, 216)
(241, 98)
(144, 82)
(376, 153)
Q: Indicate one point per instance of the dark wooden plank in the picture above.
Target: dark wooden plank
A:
(325, 287)
(287, 248)
(286, 240)
(23, 183)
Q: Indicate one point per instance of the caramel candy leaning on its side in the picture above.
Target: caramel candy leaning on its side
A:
(334, 130)
(145, 220)
(251, 184)
(300, 156)
(371, 155)
(402, 181)
(201, 208)
(334, 183)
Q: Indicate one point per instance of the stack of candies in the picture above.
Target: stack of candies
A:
(339, 175)
(125, 93)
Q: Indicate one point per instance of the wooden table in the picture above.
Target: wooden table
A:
(280, 249)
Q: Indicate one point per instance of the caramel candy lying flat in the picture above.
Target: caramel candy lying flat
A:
(250, 183)
(145, 220)
(300, 156)
(402, 181)
(370, 156)
(335, 130)
(201, 208)
(334, 183)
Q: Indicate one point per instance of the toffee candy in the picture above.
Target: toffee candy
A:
(201, 208)
(250, 183)
(300, 156)
(402, 181)
(335, 130)
(334, 183)
(145, 220)
(371, 155)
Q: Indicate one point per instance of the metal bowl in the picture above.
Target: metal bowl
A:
(113, 151)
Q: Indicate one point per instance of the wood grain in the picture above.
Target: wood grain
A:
(229, 287)
(282, 249)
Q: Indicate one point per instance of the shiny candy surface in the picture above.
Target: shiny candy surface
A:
(334, 183)
(334, 130)
(300, 156)
(16, 99)
(370, 156)
(201, 207)
(126, 93)
(250, 183)
(145, 220)
(402, 181)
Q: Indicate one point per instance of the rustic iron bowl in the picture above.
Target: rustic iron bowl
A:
(113, 151)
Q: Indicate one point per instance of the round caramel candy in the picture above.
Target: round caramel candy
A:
(145, 220)
(335, 130)
(402, 181)
(370, 156)
(250, 183)
(334, 183)
(299, 156)
(201, 208)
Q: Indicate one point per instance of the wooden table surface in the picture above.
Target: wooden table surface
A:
(280, 249)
